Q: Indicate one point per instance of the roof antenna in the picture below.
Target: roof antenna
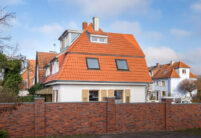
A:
(54, 45)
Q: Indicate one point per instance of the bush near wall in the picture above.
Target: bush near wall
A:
(4, 134)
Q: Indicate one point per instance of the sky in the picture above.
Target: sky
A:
(165, 29)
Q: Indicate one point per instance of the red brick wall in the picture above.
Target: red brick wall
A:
(48, 119)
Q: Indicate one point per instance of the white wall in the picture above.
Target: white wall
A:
(73, 93)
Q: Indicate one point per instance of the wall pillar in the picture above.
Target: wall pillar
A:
(39, 117)
(110, 115)
(168, 102)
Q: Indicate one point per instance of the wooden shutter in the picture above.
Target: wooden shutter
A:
(53, 96)
(127, 93)
(85, 95)
(103, 95)
(56, 95)
(110, 93)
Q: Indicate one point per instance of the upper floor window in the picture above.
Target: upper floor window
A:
(163, 83)
(163, 93)
(98, 39)
(93, 63)
(183, 71)
(47, 73)
(156, 83)
(55, 67)
(121, 64)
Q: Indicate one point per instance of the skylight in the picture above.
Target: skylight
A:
(122, 64)
(92, 63)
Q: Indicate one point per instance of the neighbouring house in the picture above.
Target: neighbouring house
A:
(93, 64)
(166, 80)
(42, 59)
(28, 77)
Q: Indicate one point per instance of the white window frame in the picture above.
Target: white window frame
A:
(47, 72)
(162, 83)
(55, 67)
(98, 38)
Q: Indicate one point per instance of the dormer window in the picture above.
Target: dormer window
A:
(47, 73)
(55, 67)
(99, 38)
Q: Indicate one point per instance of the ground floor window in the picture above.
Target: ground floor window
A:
(93, 95)
(163, 93)
(156, 95)
(118, 96)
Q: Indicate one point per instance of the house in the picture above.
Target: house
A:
(28, 77)
(167, 77)
(42, 59)
(93, 64)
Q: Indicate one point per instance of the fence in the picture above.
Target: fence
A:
(57, 119)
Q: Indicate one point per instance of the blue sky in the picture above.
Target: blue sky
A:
(165, 29)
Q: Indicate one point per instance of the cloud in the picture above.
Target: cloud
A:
(125, 27)
(160, 55)
(109, 7)
(196, 7)
(164, 55)
(180, 32)
(53, 29)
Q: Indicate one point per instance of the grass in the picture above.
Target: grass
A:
(193, 131)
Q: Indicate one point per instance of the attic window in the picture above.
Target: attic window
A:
(98, 39)
(93, 63)
(122, 64)
(164, 72)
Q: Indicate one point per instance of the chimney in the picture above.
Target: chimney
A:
(157, 64)
(171, 62)
(96, 23)
(84, 25)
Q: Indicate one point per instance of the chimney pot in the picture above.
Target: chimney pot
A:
(96, 23)
(157, 64)
(84, 25)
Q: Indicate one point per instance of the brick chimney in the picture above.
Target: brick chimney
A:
(84, 25)
(96, 23)
(157, 64)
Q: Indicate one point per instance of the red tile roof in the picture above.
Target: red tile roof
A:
(120, 46)
(24, 75)
(168, 71)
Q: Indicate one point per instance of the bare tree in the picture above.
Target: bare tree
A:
(4, 21)
(188, 86)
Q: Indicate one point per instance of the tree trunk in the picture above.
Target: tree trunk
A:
(191, 95)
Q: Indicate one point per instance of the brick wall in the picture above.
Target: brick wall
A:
(48, 119)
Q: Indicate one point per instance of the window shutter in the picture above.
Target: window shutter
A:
(53, 96)
(56, 95)
(85, 95)
(127, 93)
(103, 95)
(110, 93)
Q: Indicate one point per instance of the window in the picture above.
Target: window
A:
(163, 93)
(47, 73)
(93, 63)
(156, 83)
(184, 71)
(163, 83)
(55, 67)
(98, 38)
(93, 95)
(121, 64)
(118, 96)
(156, 95)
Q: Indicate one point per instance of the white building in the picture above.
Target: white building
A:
(93, 64)
(166, 80)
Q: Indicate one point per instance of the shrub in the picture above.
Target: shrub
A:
(29, 98)
(35, 88)
(3, 134)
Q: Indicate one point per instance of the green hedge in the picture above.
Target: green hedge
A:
(3, 134)
(29, 98)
